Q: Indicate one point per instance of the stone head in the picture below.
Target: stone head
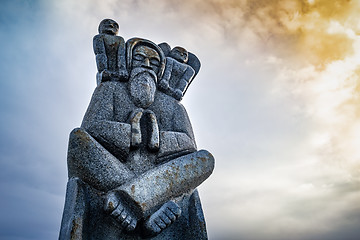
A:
(146, 57)
(142, 53)
(180, 54)
(108, 26)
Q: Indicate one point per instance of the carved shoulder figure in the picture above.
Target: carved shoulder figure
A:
(181, 68)
(177, 73)
(110, 52)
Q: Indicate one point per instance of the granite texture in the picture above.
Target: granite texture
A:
(133, 165)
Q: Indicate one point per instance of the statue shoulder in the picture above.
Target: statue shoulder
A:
(111, 86)
(120, 38)
(98, 44)
(111, 92)
(98, 37)
(167, 103)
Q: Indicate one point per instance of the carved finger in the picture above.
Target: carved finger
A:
(136, 115)
(154, 141)
(135, 127)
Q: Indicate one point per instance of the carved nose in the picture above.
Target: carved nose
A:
(147, 62)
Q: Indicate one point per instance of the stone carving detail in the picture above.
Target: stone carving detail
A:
(110, 52)
(179, 71)
(133, 165)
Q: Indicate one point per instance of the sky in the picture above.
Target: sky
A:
(276, 102)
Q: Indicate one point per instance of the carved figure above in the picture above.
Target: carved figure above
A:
(181, 68)
(110, 52)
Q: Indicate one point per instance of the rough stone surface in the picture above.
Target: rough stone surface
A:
(110, 52)
(133, 164)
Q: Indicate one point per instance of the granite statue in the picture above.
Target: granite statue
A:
(133, 165)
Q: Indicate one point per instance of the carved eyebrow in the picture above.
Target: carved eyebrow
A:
(140, 53)
(144, 55)
(156, 58)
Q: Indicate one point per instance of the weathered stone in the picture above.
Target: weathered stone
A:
(181, 68)
(110, 52)
(167, 181)
(133, 164)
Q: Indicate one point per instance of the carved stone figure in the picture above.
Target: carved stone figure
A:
(110, 52)
(133, 164)
(179, 71)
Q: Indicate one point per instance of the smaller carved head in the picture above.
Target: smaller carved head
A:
(108, 26)
(180, 54)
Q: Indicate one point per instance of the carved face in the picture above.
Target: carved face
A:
(146, 57)
(145, 65)
(109, 26)
(180, 54)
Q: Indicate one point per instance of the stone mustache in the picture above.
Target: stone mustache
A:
(133, 165)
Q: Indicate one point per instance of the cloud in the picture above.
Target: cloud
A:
(292, 28)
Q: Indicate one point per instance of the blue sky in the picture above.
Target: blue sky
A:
(283, 128)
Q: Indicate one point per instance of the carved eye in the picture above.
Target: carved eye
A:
(138, 57)
(155, 62)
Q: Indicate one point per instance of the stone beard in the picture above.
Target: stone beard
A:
(142, 86)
